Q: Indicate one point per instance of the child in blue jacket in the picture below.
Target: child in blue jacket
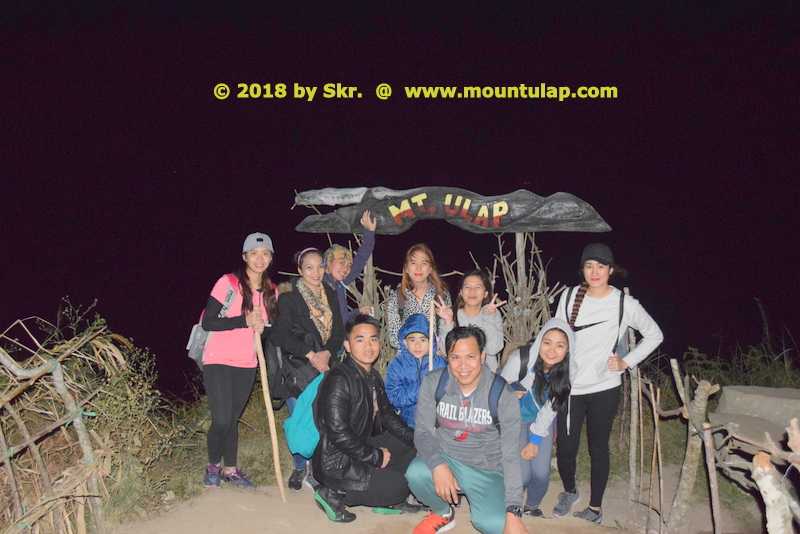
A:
(405, 373)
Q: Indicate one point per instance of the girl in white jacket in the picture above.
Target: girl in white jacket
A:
(600, 315)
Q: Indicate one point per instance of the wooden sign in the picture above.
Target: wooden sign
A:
(397, 211)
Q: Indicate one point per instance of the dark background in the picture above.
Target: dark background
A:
(124, 179)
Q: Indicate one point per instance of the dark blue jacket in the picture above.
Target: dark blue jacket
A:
(405, 373)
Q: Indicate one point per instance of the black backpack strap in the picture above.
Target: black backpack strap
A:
(524, 358)
(440, 387)
(619, 322)
(569, 296)
(494, 399)
(401, 300)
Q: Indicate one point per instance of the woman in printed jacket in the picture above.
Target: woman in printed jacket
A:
(421, 285)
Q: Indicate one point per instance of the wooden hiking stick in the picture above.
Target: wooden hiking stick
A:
(430, 338)
(262, 365)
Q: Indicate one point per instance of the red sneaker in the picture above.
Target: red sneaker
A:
(433, 523)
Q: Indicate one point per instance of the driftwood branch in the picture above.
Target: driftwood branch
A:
(716, 511)
(779, 516)
(694, 448)
(64, 489)
(634, 382)
(678, 381)
(633, 431)
(666, 414)
(12, 481)
(41, 467)
(529, 296)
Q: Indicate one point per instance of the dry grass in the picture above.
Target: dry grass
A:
(112, 445)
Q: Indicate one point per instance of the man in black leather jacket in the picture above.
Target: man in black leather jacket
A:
(364, 447)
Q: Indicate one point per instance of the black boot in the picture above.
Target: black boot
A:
(330, 503)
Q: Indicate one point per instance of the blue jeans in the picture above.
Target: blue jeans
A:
(299, 461)
(536, 472)
(484, 489)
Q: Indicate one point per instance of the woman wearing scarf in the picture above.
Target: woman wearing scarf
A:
(310, 330)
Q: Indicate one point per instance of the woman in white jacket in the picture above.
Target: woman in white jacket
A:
(542, 383)
(600, 315)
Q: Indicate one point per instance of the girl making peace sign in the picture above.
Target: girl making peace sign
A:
(474, 307)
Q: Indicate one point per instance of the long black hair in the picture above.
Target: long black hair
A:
(557, 379)
(267, 291)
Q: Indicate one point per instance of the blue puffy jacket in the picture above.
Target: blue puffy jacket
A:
(405, 373)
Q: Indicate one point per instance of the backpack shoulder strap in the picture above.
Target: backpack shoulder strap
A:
(401, 300)
(494, 398)
(233, 280)
(567, 307)
(619, 322)
(524, 358)
(440, 387)
(230, 296)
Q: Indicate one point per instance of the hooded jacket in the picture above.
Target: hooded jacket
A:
(405, 373)
(544, 419)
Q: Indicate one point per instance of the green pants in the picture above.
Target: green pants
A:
(485, 491)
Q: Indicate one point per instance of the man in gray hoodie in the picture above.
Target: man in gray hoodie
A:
(466, 445)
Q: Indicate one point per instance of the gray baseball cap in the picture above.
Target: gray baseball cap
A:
(257, 240)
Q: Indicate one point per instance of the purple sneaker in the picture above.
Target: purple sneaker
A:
(211, 480)
(237, 478)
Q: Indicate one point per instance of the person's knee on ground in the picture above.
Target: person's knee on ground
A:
(489, 523)
(420, 483)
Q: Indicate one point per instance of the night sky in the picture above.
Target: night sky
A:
(124, 178)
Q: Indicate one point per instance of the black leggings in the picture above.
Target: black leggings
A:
(599, 410)
(228, 389)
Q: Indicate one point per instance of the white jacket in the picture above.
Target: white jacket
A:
(597, 329)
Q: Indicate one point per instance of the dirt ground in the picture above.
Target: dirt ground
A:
(261, 510)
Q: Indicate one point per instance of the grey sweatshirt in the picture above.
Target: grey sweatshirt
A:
(483, 448)
(490, 323)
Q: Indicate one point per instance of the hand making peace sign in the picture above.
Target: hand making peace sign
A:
(491, 308)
